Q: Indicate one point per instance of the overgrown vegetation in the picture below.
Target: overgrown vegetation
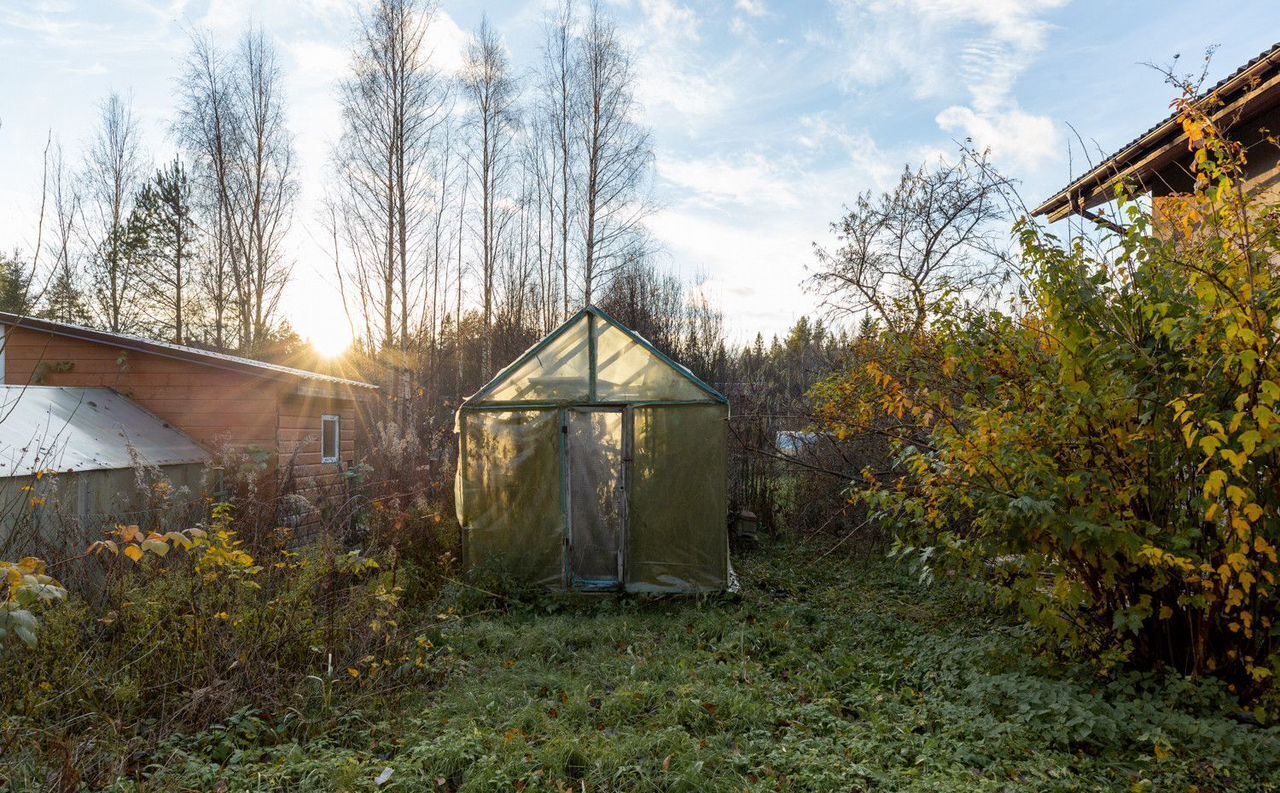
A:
(173, 632)
(842, 675)
(1104, 453)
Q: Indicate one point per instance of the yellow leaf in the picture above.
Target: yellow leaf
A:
(1241, 527)
(1194, 130)
(351, 670)
(133, 552)
(1213, 485)
(178, 538)
(1235, 493)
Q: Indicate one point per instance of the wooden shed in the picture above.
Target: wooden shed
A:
(303, 423)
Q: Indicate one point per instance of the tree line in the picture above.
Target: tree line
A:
(467, 212)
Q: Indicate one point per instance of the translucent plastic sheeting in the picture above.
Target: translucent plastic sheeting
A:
(557, 371)
(677, 536)
(627, 371)
(597, 502)
(509, 493)
(633, 496)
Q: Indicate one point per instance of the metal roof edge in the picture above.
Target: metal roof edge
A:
(178, 352)
(106, 395)
(1112, 166)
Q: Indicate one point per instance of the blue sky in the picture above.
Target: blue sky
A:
(768, 116)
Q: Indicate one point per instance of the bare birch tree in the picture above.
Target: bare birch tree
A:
(393, 103)
(112, 169)
(559, 79)
(490, 90)
(231, 120)
(263, 188)
(208, 129)
(615, 153)
(63, 300)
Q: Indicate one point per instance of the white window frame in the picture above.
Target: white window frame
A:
(337, 438)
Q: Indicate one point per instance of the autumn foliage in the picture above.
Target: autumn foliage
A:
(1107, 453)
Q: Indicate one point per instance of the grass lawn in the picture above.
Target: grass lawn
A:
(837, 676)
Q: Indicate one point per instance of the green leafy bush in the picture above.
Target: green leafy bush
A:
(187, 630)
(1106, 456)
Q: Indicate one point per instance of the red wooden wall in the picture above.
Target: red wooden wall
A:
(217, 407)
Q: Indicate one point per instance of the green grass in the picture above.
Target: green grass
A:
(837, 676)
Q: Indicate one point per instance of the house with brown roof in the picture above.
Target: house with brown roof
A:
(303, 424)
(1247, 109)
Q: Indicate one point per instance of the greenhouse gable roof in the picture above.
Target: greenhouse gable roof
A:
(593, 358)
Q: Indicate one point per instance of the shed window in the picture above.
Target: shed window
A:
(329, 439)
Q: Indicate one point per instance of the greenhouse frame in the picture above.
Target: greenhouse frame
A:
(594, 462)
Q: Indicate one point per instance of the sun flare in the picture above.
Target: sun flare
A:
(330, 341)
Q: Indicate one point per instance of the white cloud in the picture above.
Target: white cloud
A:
(1013, 135)
(231, 16)
(447, 41)
(89, 70)
(317, 61)
(752, 8)
(753, 272)
(746, 219)
(941, 47)
(753, 181)
(671, 20)
(671, 81)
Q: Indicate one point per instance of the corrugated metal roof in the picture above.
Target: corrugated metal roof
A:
(182, 352)
(51, 428)
(1123, 152)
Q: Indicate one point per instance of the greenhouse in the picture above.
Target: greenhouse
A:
(595, 462)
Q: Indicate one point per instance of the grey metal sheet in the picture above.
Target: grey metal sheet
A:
(48, 428)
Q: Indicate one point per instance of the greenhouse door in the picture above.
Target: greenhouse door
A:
(597, 501)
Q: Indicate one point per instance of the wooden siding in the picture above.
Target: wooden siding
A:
(214, 406)
(218, 408)
(298, 439)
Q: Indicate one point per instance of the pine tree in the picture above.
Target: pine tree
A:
(15, 285)
(165, 213)
(64, 301)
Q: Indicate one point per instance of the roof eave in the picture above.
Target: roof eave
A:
(178, 354)
(1247, 90)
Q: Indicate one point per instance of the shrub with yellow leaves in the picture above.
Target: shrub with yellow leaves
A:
(24, 588)
(1107, 453)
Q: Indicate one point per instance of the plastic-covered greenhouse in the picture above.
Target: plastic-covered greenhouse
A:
(596, 462)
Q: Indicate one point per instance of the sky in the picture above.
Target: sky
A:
(768, 117)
